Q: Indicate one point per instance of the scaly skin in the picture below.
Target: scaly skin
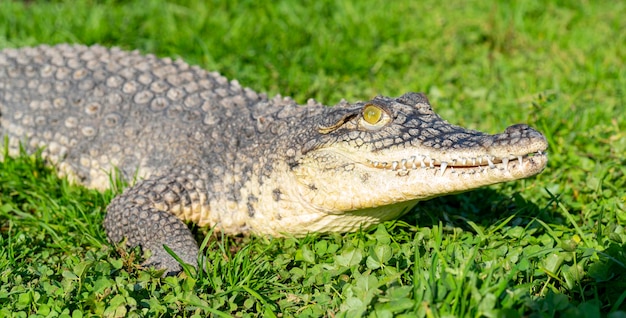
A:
(209, 151)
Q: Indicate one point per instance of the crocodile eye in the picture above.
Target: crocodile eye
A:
(373, 117)
(372, 114)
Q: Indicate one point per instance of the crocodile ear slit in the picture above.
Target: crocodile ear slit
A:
(324, 130)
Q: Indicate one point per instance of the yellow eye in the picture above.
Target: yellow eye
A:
(372, 114)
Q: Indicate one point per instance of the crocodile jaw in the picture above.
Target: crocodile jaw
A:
(345, 200)
(361, 187)
(352, 197)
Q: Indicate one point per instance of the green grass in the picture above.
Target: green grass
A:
(553, 245)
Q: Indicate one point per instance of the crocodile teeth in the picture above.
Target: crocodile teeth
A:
(394, 165)
(505, 162)
(411, 163)
(443, 167)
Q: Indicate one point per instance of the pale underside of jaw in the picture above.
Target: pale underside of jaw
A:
(461, 165)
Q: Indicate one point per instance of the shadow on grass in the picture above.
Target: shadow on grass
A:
(484, 207)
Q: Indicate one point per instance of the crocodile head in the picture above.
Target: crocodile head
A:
(372, 161)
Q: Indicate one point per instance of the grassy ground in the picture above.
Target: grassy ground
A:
(553, 245)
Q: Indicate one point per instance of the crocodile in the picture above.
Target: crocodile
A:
(200, 148)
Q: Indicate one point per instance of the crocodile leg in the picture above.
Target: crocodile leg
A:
(151, 213)
(151, 229)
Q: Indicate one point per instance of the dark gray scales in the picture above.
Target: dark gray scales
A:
(93, 109)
